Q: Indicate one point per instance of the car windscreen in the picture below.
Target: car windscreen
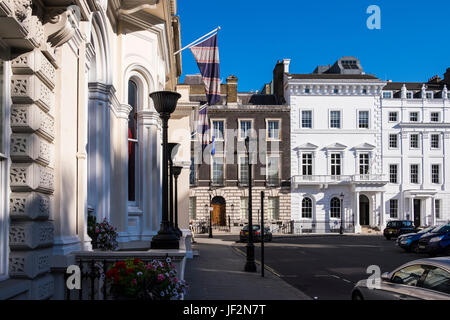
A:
(255, 227)
(393, 224)
(442, 229)
(426, 230)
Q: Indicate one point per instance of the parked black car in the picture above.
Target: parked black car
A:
(243, 236)
(436, 241)
(395, 228)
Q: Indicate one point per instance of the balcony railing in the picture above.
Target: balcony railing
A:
(335, 179)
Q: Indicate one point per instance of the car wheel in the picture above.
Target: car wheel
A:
(415, 247)
(357, 296)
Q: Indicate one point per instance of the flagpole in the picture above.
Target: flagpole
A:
(194, 42)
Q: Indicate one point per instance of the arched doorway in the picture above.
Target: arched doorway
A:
(218, 212)
(364, 218)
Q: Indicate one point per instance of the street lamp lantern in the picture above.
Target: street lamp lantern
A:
(341, 229)
(176, 173)
(250, 265)
(165, 103)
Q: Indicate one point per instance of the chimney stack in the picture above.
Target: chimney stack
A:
(232, 89)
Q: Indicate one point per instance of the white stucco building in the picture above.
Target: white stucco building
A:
(79, 134)
(340, 153)
(416, 150)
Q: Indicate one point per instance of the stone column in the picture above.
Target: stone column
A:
(382, 207)
(150, 171)
(357, 222)
(433, 211)
(119, 196)
(31, 234)
(99, 149)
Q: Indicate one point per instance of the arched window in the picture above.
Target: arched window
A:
(132, 139)
(306, 208)
(335, 208)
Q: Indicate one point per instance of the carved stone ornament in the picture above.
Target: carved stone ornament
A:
(61, 24)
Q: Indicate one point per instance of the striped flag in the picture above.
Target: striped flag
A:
(206, 53)
(203, 126)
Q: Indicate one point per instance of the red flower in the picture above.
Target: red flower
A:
(130, 270)
(112, 273)
(136, 261)
(121, 265)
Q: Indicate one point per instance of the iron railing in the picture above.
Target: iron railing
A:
(95, 264)
(323, 226)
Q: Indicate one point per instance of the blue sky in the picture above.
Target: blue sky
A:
(412, 45)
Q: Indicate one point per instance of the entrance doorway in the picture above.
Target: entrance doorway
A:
(364, 219)
(417, 206)
(218, 212)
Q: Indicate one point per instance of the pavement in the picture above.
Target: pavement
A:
(217, 273)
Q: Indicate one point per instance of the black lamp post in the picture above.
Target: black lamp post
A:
(341, 230)
(172, 149)
(176, 173)
(250, 265)
(210, 213)
(165, 103)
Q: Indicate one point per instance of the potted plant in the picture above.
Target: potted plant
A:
(103, 234)
(155, 280)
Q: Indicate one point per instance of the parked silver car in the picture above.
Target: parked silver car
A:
(423, 279)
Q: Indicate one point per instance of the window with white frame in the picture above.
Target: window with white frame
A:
(335, 164)
(387, 94)
(245, 127)
(363, 119)
(429, 95)
(306, 119)
(393, 173)
(335, 119)
(192, 208)
(307, 164)
(435, 139)
(393, 141)
(393, 116)
(244, 208)
(273, 129)
(414, 141)
(307, 205)
(409, 95)
(273, 208)
(273, 168)
(218, 170)
(133, 101)
(243, 170)
(435, 173)
(414, 173)
(218, 129)
(364, 163)
(335, 208)
(393, 208)
(4, 135)
(413, 116)
(435, 116)
(437, 208)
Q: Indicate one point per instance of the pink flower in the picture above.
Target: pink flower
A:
(161, 277)
(97, 231)
(134, 281)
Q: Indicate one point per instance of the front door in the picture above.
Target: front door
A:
(364, 210)
(218, 215)
(417, 205)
